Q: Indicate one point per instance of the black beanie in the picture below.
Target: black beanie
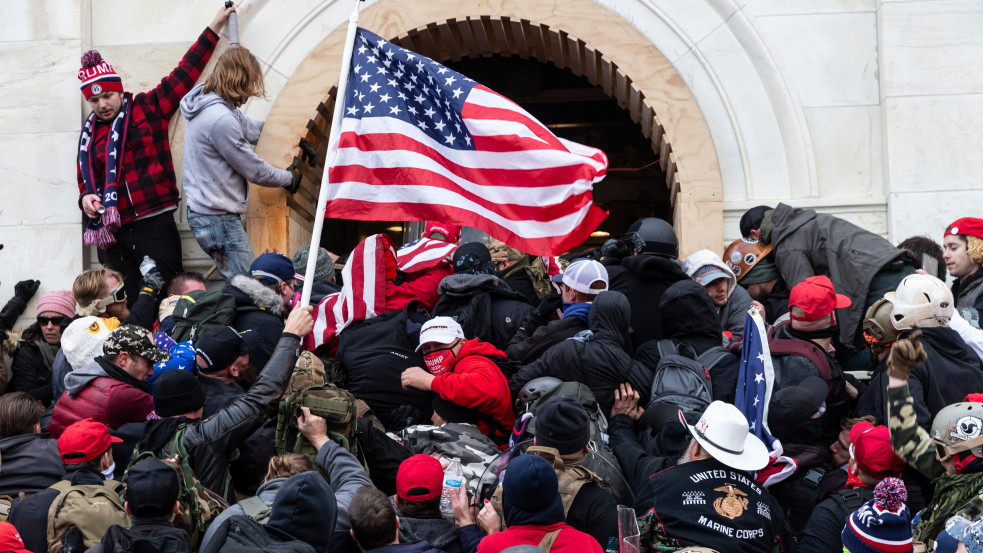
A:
(177, 392)
(452, 412)
(562, 423)
(152, 487)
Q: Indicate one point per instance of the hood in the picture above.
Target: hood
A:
(709, 257)
(688, 315)
(530, 493)
(947, 343)
(196, 101)
(610, 316)
(650, 267)
(250, 292)
(78, 379)
(790, 219)
(305, 508)
(466, 285)
(435, 530)
(477, 347)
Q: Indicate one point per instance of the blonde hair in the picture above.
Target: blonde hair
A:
(287, 465)
(91, 285)
(237, 77)
(974, 247)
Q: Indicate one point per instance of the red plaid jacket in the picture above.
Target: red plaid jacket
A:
(149, 183)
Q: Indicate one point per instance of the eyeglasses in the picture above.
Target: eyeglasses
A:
(45, 321)
(116, 295)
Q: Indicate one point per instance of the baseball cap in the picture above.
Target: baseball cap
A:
(84, 441)
(134, 340)
(472, 258)
(419, 478)
(10, 539)
(452, 232)
(219, 347)
(581, 274)
(152, 488)
(440, 330)
(272, 268)
(816, 297)
(871, 449)
(752, 218)
(709, 273)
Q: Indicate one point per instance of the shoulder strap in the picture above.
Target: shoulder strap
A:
(547, 542)
(666, 347)
(782, 346)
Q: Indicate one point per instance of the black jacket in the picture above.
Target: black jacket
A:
(688, 317)
(951, 371)
(595, 511)
(599, 361)
(30, 515)
(436, 530)
(211, 442)
(29, 463)
(305, 508)
(485, 306)
(968, 291)
(520, 282)
(28, 373)
(117, 536)
(643, 279)
(776, 304)
(822, 533)
(534, 337)
(260, 311)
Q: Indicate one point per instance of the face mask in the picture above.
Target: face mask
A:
(439, 361)
(816, 334)
(108, 473)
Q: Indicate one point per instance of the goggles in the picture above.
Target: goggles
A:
(945, 451)
(116, 295)
(873, 342)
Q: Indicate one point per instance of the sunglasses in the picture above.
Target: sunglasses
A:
(116, 295)
(945, 451)
(872, 341)
(45, 321)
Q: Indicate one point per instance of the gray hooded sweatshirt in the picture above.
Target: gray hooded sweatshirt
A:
(218, 159)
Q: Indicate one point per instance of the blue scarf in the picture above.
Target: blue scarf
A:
(100, 231)
(579, 310)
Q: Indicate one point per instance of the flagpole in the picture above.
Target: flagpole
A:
(322, 198)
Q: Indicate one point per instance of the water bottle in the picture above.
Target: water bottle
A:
(233, 25)
(453, 479)
(148, 264)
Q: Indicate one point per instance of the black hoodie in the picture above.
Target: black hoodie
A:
(688, 317)
(643, 279)
(305, 508)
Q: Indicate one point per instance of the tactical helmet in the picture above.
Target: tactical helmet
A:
(958, 423)
(652, 236)
(878, 323)
(743, 254)
(921, 301)
(535, 389)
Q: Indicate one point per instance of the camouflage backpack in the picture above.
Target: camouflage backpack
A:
(199, 505)
(308, 372)
(335, 405)
(83, 513)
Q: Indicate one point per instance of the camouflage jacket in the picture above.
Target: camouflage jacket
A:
(464, 441)
(910, 441)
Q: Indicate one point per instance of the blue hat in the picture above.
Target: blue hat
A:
(272, 268)
(883, 524)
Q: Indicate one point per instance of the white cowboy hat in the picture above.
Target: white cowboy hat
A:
(723, 432)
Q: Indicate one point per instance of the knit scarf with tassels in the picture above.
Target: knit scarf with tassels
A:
(100, 230)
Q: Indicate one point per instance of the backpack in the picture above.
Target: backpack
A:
(308, 371)
(482, 310)
(198, 310)
(245, 535)
(681, 382)
(5, 502)
(199, 505)
(724, 367)
(335, 405)
(256, 509)
(126, 540)
(89, 509)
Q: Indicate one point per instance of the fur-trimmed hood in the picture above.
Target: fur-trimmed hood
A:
(248, 291)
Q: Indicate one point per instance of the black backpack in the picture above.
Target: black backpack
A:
(681, 382)
(481, 315)
(198, 310)
(245, 535)
(127, 540)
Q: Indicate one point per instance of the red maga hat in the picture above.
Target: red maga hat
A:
(83, 441)
(967, 226)
(872, 450)
(419, 478)
(816, 297)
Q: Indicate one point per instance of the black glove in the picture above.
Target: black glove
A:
(547, 306)
(152, 282)
(25, 289)
(308, 153)
(294, 185)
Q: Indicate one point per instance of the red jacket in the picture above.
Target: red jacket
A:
(421, 285)
(106, 400)
(148, 183)
(569, 540)
(476, 381)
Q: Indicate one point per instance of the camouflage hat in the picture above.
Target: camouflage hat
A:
(500, 250)
(134, 340)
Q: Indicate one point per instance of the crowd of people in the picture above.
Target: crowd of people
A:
(470, 397)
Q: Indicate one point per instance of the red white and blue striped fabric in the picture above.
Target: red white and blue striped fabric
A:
(424, 254)
(421, 142)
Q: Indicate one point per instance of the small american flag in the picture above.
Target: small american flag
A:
(419, 141)
(754, 387)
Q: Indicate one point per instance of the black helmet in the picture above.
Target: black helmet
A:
(651, 236)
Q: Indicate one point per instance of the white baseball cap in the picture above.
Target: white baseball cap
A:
(440, 330)
(723, 432)
(581, 274)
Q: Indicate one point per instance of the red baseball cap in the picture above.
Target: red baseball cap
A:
(10, 539)
(419, 478)
(871, 449)
(452, 232)
(968, 226)
(816, 298)
(83, 441)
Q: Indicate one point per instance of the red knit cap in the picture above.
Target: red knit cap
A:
(98, 76)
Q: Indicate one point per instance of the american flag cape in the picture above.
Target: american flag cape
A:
(424, 254)
(421, 142)
(754, 387)
(362, 296)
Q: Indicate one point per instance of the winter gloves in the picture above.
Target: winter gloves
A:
(23, 292)
(907, 354)
(308, 154)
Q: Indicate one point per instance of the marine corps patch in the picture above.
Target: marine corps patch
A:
(730, 506)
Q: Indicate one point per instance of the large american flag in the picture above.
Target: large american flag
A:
(419, 141)
(754, 387)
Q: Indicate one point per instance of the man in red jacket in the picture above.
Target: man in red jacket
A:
(113, 388)
(461, 372)
(127, 186)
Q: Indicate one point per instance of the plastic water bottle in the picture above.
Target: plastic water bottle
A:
(453, 479)
(148, 264)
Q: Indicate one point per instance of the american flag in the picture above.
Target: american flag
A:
(423, 254)
(419, 141)
(754, 387)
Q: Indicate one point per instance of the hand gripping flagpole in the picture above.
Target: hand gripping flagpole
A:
(322, 198)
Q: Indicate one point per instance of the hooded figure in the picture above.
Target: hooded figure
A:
(644, 278)
(732, 312)
(485, 305)
(533, 510)
(597, 357)
(688, 318)
(305, 508)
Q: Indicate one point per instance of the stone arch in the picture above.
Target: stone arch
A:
(578, 35)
